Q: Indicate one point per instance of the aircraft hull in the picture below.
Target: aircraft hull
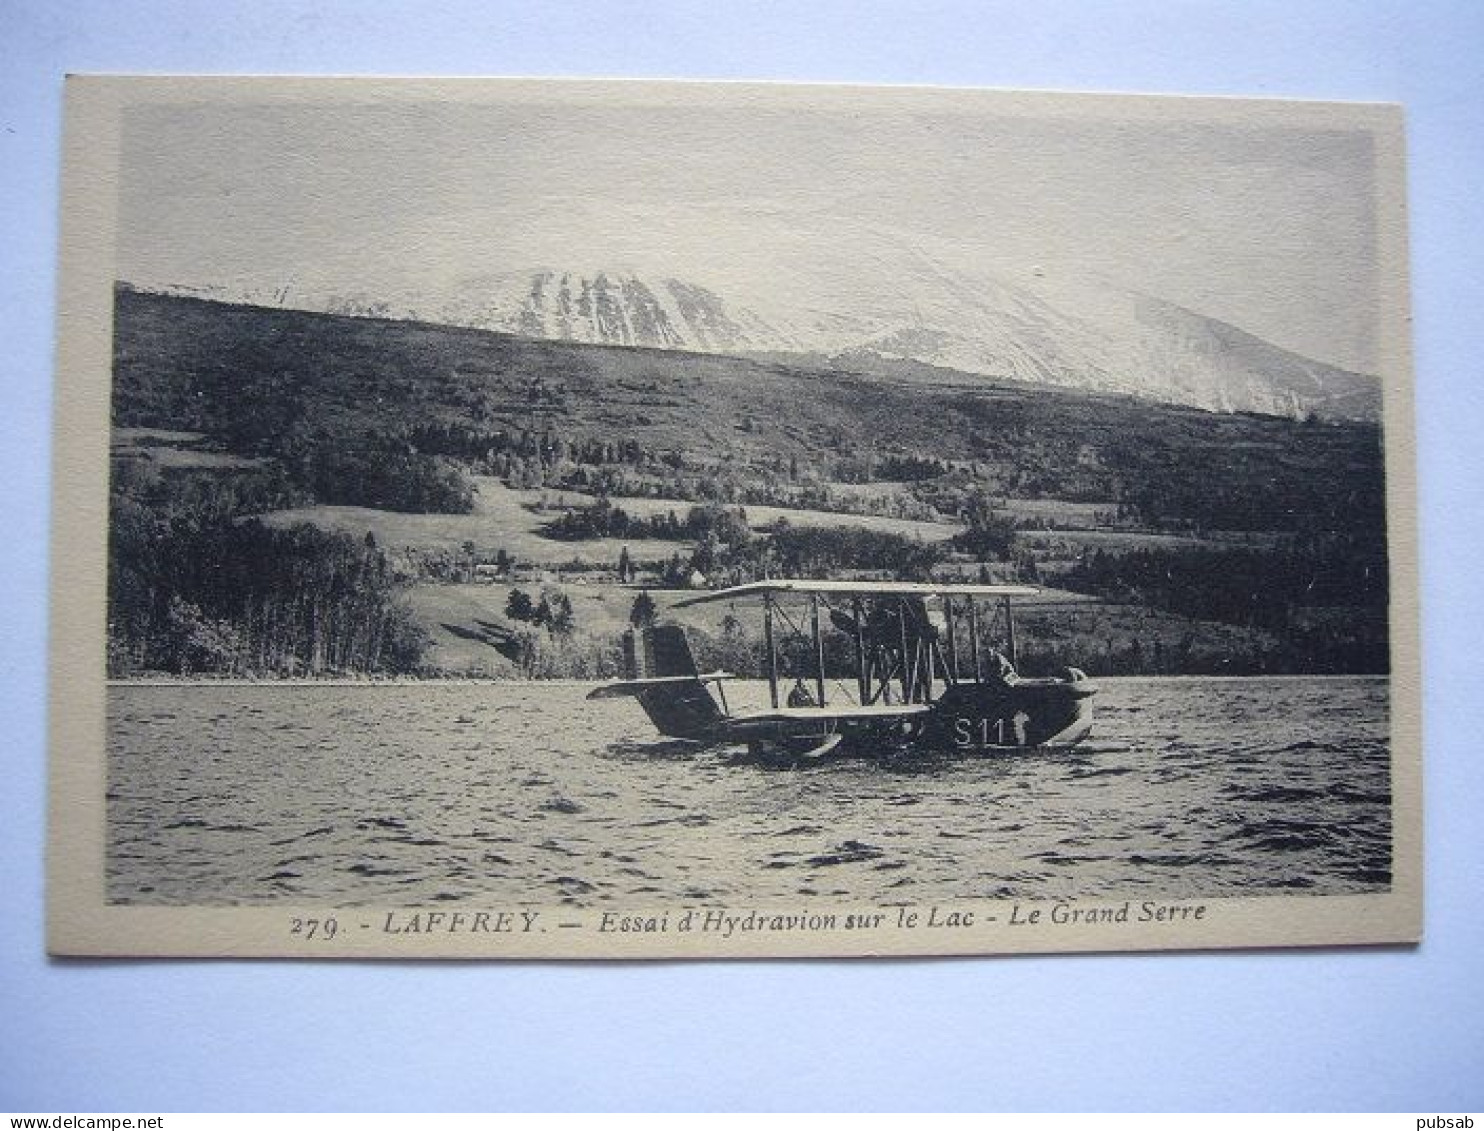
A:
(1032, 714)
(1028, 714)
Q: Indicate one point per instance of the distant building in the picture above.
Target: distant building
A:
(596, 577)
(532, 576)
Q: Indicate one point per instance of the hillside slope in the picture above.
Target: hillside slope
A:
(287, 383)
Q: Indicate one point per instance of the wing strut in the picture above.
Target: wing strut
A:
(772, 650)
(1010, 635)
(908, 668)
(974, 640)
(948, 611)
(863, 675)
(818, 646)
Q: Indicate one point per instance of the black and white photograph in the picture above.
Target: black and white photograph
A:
(638, 519)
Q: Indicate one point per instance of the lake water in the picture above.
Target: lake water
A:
(526, 793)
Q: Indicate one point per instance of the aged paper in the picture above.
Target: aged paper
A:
(522, 519)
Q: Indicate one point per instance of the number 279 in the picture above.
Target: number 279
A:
(314, 928)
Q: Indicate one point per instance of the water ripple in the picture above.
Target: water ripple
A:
(403, 794)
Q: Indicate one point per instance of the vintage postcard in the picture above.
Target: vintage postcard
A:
(548, 519)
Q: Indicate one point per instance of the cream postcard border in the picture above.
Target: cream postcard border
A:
(82, 922)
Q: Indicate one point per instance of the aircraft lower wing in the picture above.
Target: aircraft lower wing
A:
(813, 732)
(805, 719)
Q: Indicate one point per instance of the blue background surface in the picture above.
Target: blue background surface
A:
(1368, 1029)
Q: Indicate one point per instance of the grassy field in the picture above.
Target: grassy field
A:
(500, 520)
(503, 519)
(512, 520)
(758, 517)
(1062, 513)
(1053, 541)
(167, 450)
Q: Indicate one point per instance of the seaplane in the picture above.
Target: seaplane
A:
(927, 675)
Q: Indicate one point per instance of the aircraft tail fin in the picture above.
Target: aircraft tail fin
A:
(664, 650)
(670, 686)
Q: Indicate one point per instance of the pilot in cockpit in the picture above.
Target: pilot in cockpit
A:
(799, 696)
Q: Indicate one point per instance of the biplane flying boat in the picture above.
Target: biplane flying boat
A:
(925, 675)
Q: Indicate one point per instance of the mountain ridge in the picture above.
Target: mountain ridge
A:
(1087, 336)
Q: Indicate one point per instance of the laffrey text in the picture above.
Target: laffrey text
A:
(460, 922)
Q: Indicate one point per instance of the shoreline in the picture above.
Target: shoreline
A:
(330, 681)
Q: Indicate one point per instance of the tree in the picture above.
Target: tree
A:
(564, 620)
(555, 612)
(519, 606)
(198, 643)
(625, 566)
(989, 534)
(644, 611)
(195, 584)
(676, 572)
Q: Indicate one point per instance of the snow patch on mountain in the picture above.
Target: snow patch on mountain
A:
(1075, 333)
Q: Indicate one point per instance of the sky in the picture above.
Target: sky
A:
(777, 201)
